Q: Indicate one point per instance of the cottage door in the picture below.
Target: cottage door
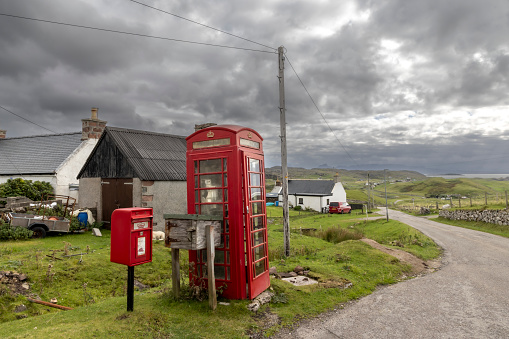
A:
(116, 193)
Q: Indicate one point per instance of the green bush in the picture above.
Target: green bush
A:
(7, 232)
(297, 208)
(25, 188)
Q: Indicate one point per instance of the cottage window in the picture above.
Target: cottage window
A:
(301, 201)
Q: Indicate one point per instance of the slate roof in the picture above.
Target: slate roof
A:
(310, 187)
(152, 156)
(41, 154)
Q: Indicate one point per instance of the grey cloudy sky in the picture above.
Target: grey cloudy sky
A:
(404, 84)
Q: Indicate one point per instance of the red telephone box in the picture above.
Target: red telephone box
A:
(131, 236)
(226, 176)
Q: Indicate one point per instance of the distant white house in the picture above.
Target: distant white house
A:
(53, 158)
(314, 194)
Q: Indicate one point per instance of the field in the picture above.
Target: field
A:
(96, 288)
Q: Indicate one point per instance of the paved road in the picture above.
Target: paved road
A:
(467, 298)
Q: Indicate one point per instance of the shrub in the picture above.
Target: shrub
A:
(7, 232)
(25, 188)
(297, 208)
(336, 235)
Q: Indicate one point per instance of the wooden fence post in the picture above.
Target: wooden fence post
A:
(506, 203)
(486, 198)
(470, 201)
(175, 272)
(459, 202)
(211, 253)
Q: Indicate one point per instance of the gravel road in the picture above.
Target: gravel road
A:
(467, 298)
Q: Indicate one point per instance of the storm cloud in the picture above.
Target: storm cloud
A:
(415, 84)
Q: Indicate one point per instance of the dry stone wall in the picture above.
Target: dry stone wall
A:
(499, 217)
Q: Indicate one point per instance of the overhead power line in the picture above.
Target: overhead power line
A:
(135, 34)
(319, 111)
(19, 116)
(199, 23)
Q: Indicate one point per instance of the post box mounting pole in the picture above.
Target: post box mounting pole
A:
(130, 288)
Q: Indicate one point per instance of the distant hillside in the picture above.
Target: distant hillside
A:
(345, 175)
(440, 186)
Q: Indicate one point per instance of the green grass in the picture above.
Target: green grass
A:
(100, 306)
(501, 230)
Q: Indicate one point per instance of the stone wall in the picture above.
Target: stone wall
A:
(499, 217)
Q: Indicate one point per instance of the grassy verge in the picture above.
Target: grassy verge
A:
(477, 225)
(96, 288)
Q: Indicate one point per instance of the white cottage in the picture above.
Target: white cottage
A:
(53, 158)
(314, 194)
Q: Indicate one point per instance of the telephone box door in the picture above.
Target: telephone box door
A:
(256, 224)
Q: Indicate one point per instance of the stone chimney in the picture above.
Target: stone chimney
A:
(202, 126)
(2, 133)
(92, 128)
(336, 177)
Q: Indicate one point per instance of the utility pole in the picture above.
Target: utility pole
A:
(386, 205)
(284, 165)
(369, 189)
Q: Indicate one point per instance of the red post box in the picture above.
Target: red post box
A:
(226, 177)
(131, 236)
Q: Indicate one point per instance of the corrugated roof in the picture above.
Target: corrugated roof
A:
(153, 156)
(310, 187)
(41, 154)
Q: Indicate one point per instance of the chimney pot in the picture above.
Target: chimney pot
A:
(2, 134)
(94, 113)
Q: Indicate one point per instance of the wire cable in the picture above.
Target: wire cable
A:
(199, 23)
(135, 34)
(319, 111)
(19, 116)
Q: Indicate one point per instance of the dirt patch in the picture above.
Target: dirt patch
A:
(419, 266)
(16, 283)
(265, 319)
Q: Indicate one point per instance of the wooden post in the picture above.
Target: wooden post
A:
(437, 205)
(210, 267)
(470, 201)
(486, 198)
(459, 202)
(506, 203)
(450, 201)
(175, 272)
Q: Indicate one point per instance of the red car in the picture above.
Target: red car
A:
(339, 207)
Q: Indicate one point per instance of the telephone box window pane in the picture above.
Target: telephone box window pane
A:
(256, 193)
(203, 255)
(254, 165)
(197, 209)
(258, 238)
(195, 166)
(256, 208)
(215, 209)
(255, 179)
(209, 166)
(195, 181)
(219, 272)
(227, 274)
(258, 252)
(227, 226)
(227, 241)
(219, 259)
(225, 180)
(257, 223)
(225, 195)
(196, 196)
(210, 180)
(211, 195)
(226, 210)
(224, 165)
(227, 257)
(260, 267)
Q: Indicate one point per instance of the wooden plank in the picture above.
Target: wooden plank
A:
(189, 234)
(210, 267)
(175, 272)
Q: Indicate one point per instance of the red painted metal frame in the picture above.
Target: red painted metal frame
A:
(241, 284)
